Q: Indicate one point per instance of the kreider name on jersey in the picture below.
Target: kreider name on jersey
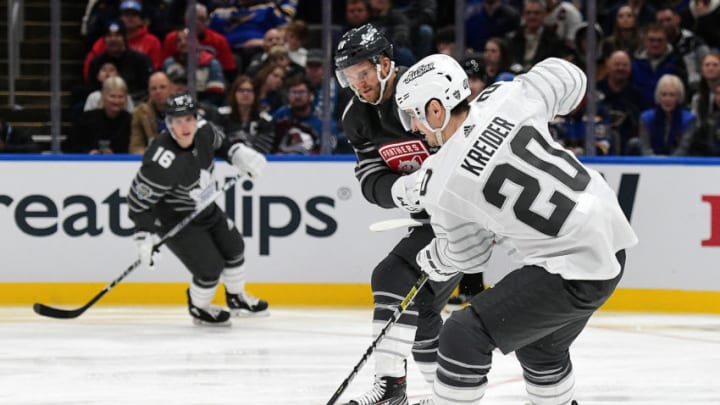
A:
(486, 144)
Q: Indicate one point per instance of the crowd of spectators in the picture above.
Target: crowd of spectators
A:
(259, 69)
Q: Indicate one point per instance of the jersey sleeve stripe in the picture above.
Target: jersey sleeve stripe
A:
(147, 181)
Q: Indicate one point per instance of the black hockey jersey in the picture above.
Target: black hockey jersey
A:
(384, 150)
(171, 176)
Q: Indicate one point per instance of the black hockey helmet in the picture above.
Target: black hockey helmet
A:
(474, 67)
(362, 43)
(181, 104)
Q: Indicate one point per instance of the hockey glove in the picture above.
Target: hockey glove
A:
(247, 160)
(432, 261)
(145, 242)
(406, 193)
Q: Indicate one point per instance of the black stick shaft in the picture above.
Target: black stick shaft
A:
(398, 311)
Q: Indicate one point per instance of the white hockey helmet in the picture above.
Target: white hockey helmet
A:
(437, 77)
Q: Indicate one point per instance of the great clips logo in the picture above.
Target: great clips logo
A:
(81, 215)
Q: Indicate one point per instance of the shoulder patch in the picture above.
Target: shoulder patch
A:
(404, 156)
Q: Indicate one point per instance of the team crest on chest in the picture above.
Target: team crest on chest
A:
(404, 156)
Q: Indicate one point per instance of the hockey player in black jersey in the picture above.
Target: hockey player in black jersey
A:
(387, 156)
(176, 170)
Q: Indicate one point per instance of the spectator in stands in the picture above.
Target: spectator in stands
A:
(654, 60)
(565, 19)
(643, 12)
(445, 40)
(104, 130)
(273, 37)
(685, 43)
(94, 99)
(485, 19)
(357, 13)
(244, 22)
(295, 36)
(578, 53)
(314, 75)
(625, 33)
(279, 55)
(214, 41)
(532, 42)
(209, 82)
(570, 131)
(297, 128)
(706, 16)
(395, 26)
(134, 67)
(497, 58)
(668, 128)
(268, 83)
(245, 122)
(148, 119)
(703, 102)
(98, 14)
(137, 38)
(421, 15)
(706, 140)
(624, 101)
(14, 140)
(165, 16)
(474, 66)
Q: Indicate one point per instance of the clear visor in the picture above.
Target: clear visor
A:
(349, 77)
(406, 119)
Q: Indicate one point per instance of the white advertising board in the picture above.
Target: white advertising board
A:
(307, 222)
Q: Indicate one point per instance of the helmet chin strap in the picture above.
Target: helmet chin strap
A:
(383, 83)
(438, 136)
(438, 131)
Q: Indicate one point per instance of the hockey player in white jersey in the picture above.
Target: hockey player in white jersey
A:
(500, 180)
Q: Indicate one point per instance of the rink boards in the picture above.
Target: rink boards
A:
(65, 233)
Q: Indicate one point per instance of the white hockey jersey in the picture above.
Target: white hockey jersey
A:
(502, 172)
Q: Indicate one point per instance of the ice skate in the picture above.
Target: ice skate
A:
(245, 305)
(211, 316)
(385, 391)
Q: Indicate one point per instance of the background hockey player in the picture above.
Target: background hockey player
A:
(499, 176)
(387, 155)
(176, 173)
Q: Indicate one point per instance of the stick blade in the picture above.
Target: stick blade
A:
(396, 223)
(58, 313)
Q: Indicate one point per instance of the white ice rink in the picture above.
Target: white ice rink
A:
(140, 355)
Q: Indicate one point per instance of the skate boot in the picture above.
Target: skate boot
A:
(211, 315)
(244, 304)
(385, 391)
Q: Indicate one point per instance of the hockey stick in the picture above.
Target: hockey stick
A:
(53, 312)
(398, 311)
(396, 223)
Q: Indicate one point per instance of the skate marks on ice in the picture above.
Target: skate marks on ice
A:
(141, 355)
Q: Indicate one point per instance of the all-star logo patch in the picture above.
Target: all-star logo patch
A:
(404, 156)
(418, 72)
(142, 191)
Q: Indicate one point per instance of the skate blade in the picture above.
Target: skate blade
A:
(244, 313)
(199, 322)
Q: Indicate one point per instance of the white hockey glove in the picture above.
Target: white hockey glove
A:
(433, 262)
(247, 160)
(406, 193)
(145, 242)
